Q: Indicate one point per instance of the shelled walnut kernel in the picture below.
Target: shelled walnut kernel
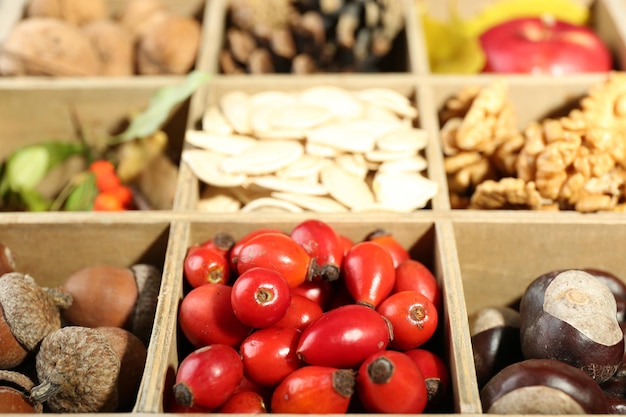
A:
(575, 162)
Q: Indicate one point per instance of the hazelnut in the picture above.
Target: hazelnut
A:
(77, 12)
(14, 393)
(114, 296)
(80, 369)
(47, 46)
(30, 312)
(169, 45)
(114, 45)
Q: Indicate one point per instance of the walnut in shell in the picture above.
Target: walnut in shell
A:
(77, 12)
(138, 15)
(47, 46)
(31, 312)
(169, 45)
(114, 45)
(80, 370)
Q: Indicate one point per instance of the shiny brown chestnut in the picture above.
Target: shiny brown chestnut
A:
(495, 336)
(570, 315)
(617, 287)
(542, 386)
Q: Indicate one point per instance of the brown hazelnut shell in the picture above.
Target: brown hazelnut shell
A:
(571, 316)
(542, 386)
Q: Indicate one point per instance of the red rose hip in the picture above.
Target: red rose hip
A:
(208, 376)
(390, 382)
(344, 337)
(260, 297)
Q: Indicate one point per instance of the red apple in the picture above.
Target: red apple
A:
(533, 45)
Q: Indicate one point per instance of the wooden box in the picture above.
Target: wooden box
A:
(479, 257)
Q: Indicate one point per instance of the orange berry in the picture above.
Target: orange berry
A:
(123, 193)
(106, 201)
(101, 166)
(107, 181)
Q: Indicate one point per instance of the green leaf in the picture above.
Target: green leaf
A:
(28, 165)
(34, 201)
(82, 194)
(161, 105)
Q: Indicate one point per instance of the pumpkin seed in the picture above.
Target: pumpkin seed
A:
(227, 144)
(263, 157)
(321, 204)
(348, 189)
(272, 182)
(269, 204)
(206, 166)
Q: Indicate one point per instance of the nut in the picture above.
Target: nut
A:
(7, 262)
(114, 45)
(112, 296)
(47, 46)
(77, 12)
(14, 393)
(80, 369)
(137, 15)
(169, 45)
(31, 313)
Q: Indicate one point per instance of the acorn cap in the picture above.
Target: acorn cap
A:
(21, 383)
(78, 370)
(148, 280)
(31, 311)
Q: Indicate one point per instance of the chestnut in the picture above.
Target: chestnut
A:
(571, 316)
(542, 386)
(495, 336)
(617, 287)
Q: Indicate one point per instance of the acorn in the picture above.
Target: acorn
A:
(29, 313)
(114, 296)
(83, 370)
(7, 262)
(14, 393)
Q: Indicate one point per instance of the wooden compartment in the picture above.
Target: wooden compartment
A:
(89, 111)
(533, 100)
(425, 237)
(210, 95)
(13, 12)
(499, 255)
(404, 55)
(50, 248)
(605, 18)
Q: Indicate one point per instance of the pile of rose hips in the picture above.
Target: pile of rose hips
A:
(112, 194)
(308, 322)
